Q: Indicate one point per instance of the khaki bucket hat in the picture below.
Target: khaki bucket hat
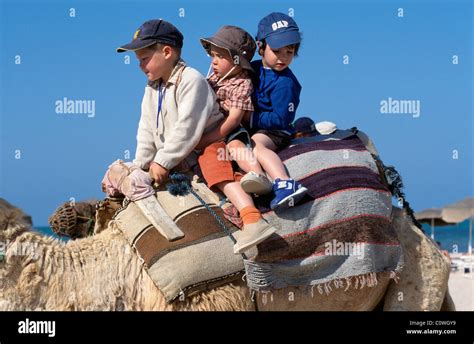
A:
(238, 42)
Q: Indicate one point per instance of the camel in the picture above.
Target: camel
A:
(103, 272)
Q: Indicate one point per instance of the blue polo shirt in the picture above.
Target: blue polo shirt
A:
(275, 98)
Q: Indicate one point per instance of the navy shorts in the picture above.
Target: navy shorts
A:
(280, 138)
(241, 134)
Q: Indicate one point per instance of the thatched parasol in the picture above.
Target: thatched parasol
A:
(449, 215)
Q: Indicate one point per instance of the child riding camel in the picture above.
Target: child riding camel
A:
(231, 50)
(276, 98)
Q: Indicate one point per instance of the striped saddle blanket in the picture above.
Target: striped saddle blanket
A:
(341, 233)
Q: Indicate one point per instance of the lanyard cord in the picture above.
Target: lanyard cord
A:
(225, 76)
(209, 74)
(161, 96)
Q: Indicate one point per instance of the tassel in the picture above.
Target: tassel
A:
(394, 276)
(179, 177)
(348, 283)
(376, 281)
(372, 280)
(179, 185)
(395, 182)
(177, 189)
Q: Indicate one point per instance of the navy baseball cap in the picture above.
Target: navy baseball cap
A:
(304, 125)
(279, 30)
(151, 32)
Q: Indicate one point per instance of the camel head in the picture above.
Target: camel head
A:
(74, 219)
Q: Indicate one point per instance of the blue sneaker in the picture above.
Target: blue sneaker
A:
(287, 193)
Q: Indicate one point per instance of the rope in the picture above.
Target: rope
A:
(124, 206)
(180, 186)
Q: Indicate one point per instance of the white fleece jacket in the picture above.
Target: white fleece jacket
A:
(189, 107)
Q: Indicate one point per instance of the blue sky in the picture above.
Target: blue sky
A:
(403, 58)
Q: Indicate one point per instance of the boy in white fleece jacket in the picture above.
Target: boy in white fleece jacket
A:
(178, 107)
(167, 134)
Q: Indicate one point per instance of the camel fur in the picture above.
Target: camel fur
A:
(103, 272)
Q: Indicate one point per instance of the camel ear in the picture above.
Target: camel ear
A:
(12, 217)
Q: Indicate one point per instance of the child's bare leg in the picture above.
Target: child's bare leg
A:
(236, 195)
(255, 181)
(265, 152)
(255, 229)
(244, 157)
(288, 192)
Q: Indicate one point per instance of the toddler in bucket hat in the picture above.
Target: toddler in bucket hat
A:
(239, 45)
(231, 50)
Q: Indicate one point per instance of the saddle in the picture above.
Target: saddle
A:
(201, 260)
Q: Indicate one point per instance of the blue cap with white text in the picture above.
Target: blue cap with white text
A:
(279, 30)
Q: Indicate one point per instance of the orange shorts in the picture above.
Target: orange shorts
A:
(216, 166)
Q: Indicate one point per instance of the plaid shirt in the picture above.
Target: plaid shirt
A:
(237, 89)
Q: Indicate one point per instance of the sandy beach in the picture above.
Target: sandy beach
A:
(461, 287)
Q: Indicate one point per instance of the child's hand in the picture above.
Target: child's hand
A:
(226, 105)
(158, 173)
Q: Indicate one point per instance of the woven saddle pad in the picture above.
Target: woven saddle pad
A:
(202, 259)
